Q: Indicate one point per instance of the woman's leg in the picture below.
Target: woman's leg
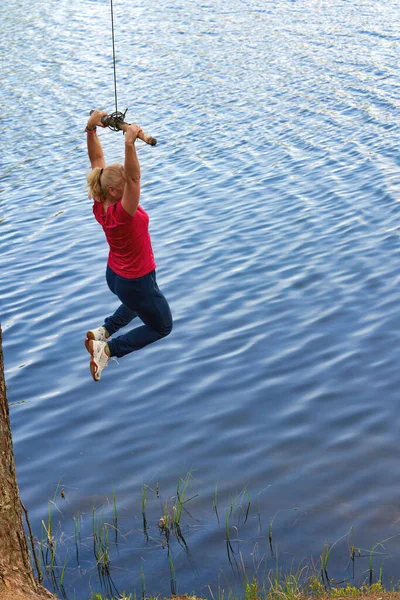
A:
(143, 297)
(123, 315)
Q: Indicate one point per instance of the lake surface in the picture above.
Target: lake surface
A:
(273, 196)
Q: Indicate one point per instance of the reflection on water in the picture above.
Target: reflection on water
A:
(273, 199)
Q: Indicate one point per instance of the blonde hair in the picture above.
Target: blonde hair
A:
(99, 180)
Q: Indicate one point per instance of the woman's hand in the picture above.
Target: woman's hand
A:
(131, 133)
(95, 119)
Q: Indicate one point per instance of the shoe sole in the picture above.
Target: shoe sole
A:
(93, 365)
(93, 370)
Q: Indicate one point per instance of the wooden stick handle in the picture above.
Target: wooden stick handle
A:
(141, 135)
(119, 124)
(110, 121)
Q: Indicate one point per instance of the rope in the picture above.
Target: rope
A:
(115, 70)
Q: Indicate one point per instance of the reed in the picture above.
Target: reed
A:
(251, 591)
(122, 596)
(246, 493)
(142, 580)
(50, 543)
(144, 502)
(271, 523)
(259, 507)
(215, 503)
(101, 547)
(165, 522)
(172, 576)
(170, 521)
(115, 516)
(77, 536)
(290, 586)
(144, 497)
(235, 505)
(62, 574)
(229, 548)
(352, 552)
(265, 585)
(325, 555)
(374, 553)
(228, 529)
(182, 487)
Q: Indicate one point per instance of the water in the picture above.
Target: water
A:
(273, 198)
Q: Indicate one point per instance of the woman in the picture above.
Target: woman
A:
(131, 268)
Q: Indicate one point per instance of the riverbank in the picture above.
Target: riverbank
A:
(375, 592)
(311, 590)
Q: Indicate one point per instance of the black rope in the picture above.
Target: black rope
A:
(115, 70)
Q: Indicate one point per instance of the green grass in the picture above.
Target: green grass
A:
(144, 502)
(142, 580)
(215, 503)
(373, 553)
(267, 582)
(325, 555)
(289, 588)
(115, 516)
(122, 597)
(271, 523)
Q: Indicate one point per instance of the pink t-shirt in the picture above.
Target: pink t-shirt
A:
(131, 254)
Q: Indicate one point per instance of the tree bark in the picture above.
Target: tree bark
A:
(17, 580)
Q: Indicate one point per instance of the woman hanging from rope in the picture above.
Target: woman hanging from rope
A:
(130, 268)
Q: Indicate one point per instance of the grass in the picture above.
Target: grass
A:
(77, 535)
(371, 555)
(271, 523)
(170, 521)
(144, 502)
(48, 545)
(123, 596)
(142, 580)
(172, 576)
(238, 511)
(115, 516)
(270, 582)
(101, 546)
(287, 589)
(215, 503)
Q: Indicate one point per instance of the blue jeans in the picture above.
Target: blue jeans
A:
(140, 297)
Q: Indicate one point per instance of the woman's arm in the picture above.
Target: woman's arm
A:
(94, 147)
(131, 195)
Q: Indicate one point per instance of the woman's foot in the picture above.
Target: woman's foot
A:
(100, 334)
(100, 355)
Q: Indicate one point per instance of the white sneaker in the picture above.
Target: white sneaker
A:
(99, 359)
(100, 334)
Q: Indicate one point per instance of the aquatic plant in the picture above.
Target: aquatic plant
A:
(326, 552)
(215, 506)
(270, 533)
(144, 500)
(266, 583)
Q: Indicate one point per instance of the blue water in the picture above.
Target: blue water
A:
(273, 196)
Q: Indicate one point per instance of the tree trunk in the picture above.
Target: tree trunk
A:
(16, 576)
